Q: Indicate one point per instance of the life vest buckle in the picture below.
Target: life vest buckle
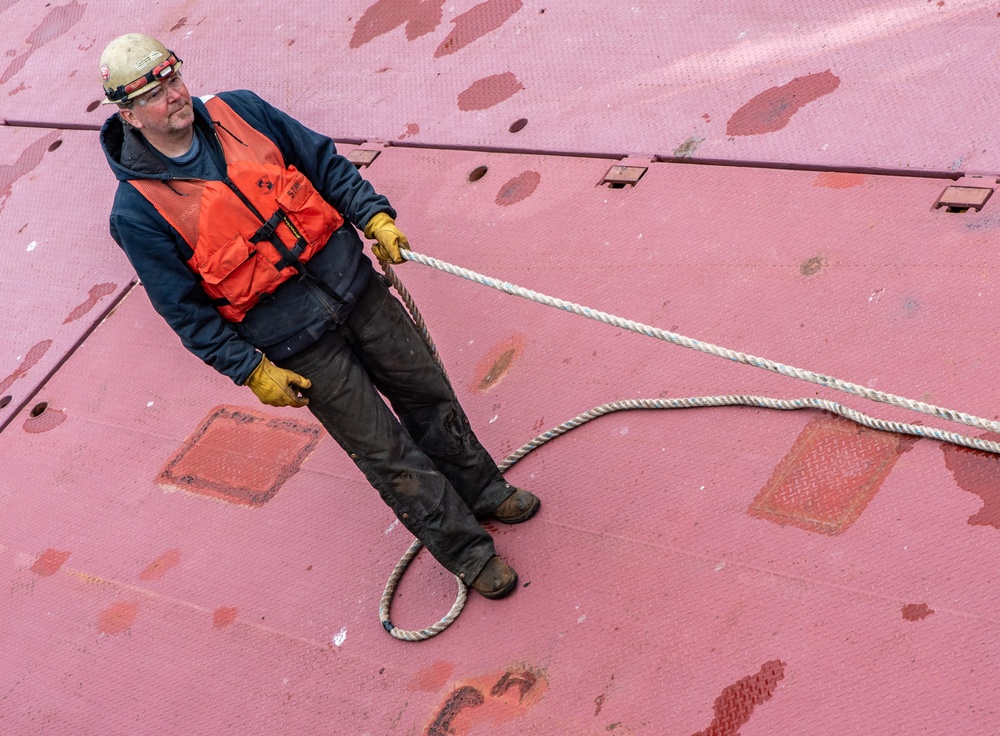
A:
(267, 230)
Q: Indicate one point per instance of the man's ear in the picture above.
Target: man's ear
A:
(128, 115)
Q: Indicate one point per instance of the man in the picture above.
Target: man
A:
(240, 222)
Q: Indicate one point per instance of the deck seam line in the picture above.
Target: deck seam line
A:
(894, 171)
(89, 579)
(14, 411)
(765, 571)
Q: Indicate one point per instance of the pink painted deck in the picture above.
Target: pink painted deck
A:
(178, 558)
(58, 276)
(900, 84)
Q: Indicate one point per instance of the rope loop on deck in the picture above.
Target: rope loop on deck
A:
(390, 590)
(916, 430)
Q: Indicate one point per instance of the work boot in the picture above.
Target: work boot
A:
(519, 506)
(496, 580)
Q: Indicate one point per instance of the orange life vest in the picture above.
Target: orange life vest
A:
(252, 233)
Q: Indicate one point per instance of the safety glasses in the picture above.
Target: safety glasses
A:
(159, 73)
(159, 93)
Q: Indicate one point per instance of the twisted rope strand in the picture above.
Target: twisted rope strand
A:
(411, 307)
(687, 342)
(390, 590)
(762, 402)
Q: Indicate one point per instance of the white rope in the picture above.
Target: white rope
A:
(687, 342)
(390, 589)
(763, 402)
(686, 403)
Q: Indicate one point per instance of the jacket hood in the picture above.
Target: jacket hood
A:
(128, 154)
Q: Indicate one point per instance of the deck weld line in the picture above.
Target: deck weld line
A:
(871, 594)
(674, 159)
(652, 157)
(147, 594)
(15, 410)
(50, 125)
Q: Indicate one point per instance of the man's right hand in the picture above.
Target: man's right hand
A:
(390, 239)
(275, 386)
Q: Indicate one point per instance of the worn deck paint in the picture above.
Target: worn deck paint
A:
(829, 475)
(896, 84)
(58, 276)
(167, 568)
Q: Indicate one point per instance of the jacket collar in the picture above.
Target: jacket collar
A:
(131, 157)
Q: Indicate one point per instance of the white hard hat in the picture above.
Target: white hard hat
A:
(133, 64)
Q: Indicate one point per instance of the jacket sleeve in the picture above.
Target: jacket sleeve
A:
(315, 155)
(157, 254)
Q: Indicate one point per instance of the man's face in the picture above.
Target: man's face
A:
(163, 111)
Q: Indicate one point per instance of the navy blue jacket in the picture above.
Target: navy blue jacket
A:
(299, 312)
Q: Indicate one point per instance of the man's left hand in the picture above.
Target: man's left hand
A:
(390, 240)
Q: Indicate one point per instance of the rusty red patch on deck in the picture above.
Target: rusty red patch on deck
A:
(476, 23)
(497, 363)
(44, 420)
(49, 562)
(828, 477)
(34, 355)
(96, 293)
(916, 611)
(977, 472)
(498, 697)
(411, 129)
(419, 16)
(489, 91)
(223, 616)
(117, 617)
(736, 704)
(773, 108)
(240, 456)
(518, 188)
(161, 565)
(57, 22)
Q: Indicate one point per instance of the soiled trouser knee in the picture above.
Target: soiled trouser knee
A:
(435, 476)
(401, 366)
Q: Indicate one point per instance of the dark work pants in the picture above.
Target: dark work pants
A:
(428, 465)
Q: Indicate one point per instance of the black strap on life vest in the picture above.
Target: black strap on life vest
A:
(288, 257)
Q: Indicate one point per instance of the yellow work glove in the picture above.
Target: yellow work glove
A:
(383, 229)
(275, 386)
